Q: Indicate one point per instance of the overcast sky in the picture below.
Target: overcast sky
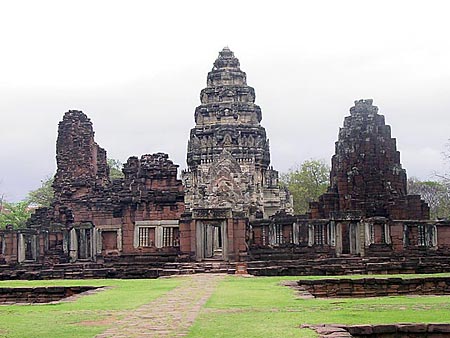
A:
(136, 69)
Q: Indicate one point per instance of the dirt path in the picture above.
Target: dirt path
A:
(170, 315)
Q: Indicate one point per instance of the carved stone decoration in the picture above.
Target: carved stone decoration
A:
(228, 153)
(225, 188)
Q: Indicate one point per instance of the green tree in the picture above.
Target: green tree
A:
(435, 193)
(306, 183)
(15, 214)
(42, 196)
(115, 169)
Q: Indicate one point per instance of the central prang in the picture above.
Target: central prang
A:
(228, 152)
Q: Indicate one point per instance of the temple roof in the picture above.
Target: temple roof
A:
(226, 59)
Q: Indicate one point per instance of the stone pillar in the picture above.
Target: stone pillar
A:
(200, 241)
(295, 233)
(21, 248)
(338, 239)
(73, 246)
(387, 233)
(310, 234)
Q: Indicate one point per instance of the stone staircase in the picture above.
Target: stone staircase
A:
(87, 270)
(148, 268)
(350, 265)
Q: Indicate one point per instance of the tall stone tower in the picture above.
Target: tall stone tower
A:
(228, 152)
(81, 162)
(366, 174)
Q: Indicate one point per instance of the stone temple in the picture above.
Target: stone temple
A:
(229, 181)
(228, 151)
(228, 212)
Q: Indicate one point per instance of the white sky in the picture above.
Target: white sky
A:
(136, 69)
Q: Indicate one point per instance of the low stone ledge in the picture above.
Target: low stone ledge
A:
(41, 294)
(376, 287)
(400, 330)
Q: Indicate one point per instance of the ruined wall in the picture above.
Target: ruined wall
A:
(153, 193)
(81, 163)
(99, 217)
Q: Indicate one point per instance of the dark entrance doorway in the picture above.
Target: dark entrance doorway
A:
(84, 241)
(349, 238)
(211, 240)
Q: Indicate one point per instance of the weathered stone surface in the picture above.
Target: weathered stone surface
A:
(93, 217)
(231, 207)
(439, 328)
(403, 330)
(228, 152)
(366, 174)
(40, 294)
(81, 163)
(376, 287)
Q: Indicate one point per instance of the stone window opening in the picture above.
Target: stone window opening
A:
(421, 235)
(27, 247)
(377, 233)
(146, 236)
(319, 234)
(264, 235)
(169, 238)
(158, 234)
(54, 241)
(276, 234)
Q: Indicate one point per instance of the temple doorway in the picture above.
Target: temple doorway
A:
(353, 238)
(81, 246)
(349, 235)
(84, 238)
(211, 240)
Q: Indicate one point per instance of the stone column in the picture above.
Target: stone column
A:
(73, 247)
(338, 239)
(21, 248)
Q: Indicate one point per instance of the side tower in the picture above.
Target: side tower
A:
(367, 204)
(228, 175)
(366, 175)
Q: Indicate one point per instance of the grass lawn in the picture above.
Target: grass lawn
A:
(240, 307)
(85, 317)
(261, 307)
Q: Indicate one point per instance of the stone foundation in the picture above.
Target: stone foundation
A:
(376, 287)
(125, 270)
(40, 294)
(402, 330)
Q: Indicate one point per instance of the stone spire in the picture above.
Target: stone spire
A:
(228, 151)
(228, 117)
(366, 174)
(367, 156)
